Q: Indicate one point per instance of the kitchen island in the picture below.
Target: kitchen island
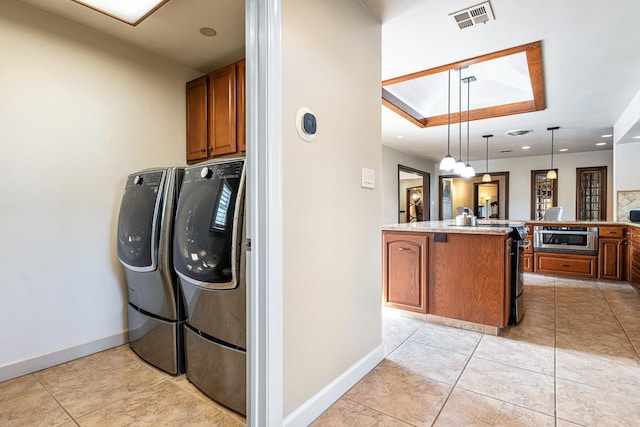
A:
(460, 275)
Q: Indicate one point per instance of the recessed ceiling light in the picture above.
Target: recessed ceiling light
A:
(518, 132)
(563, 149)
(607, 135)
(635, 137)
(400, 136)
(601, 143)
(526, 147)
(209, 32)
(131, 12)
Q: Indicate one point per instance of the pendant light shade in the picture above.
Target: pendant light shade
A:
(552, 173)
(486, 177)
(448, 162)
(468, 172)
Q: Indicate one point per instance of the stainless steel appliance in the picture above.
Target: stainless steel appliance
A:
(156, 312)
(517, 272)
(570, 239)
(210, 258)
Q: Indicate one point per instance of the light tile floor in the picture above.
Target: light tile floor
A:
(573, 360)
(111, 388)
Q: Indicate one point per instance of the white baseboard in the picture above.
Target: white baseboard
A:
(28, 366)
(321, 401)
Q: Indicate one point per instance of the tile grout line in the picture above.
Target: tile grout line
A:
(555, 353)
(604, 295)
(457, 380)
(54, 398)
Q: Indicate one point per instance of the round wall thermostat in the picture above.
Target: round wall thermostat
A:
(306, 124)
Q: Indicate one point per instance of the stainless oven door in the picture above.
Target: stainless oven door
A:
(566, 240)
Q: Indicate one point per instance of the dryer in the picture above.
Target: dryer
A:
(156, 312)
(209, 253)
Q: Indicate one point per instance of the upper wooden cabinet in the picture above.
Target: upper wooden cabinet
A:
(197, 144)
(216, 114)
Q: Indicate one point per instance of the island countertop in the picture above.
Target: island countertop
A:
(449, 226)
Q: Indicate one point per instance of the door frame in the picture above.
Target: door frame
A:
(263, 28)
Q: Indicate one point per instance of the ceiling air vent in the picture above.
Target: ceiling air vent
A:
(472, 16)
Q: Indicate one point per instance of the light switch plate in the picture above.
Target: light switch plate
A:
(368, 178)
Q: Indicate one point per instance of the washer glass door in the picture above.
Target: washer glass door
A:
(138, 221)
(207, 226)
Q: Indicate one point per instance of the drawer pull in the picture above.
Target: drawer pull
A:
(565, 265)
(404, 249)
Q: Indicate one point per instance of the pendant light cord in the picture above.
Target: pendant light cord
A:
(552, 131)
(486, 166)
(468, 98)
(460, 113)
(449, 116)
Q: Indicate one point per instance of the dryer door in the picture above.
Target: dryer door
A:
(207, 225)
(138, 222)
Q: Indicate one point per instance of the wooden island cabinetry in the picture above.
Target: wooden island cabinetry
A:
(216, 114)
(463, 275)
(404, 271)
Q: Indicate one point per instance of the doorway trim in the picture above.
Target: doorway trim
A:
(263, 28)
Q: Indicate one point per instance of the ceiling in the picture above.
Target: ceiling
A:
(590, 61)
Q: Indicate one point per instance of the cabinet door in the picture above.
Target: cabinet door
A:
(240, 118)
(610, 255)
(197, 120)
(404, 271)
(222, 111)
(527, 263)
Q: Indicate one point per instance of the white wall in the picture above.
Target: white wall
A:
(331, 256)
(520, 179)
(389, 182)
(79, 112)
(627, 170)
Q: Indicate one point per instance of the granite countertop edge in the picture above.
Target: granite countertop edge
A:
(489, 226)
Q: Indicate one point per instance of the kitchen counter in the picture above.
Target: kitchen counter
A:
(449, 272)
(448, 226)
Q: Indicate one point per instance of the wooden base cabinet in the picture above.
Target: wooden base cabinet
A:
(405, 260)
(216, 114)
(611, 253)
(566, 264)
(633, 275)
(527, 258)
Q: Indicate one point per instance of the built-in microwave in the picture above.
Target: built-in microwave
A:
(554, 238)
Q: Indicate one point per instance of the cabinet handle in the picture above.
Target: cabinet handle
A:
(202, 150)
(564, 265)
(404, 249)
(611, 232)
(210, 148)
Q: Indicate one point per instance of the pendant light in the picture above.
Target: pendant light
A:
(448, 162)
(459, 166)
(486, 177)
(468, 172)
(552, 173)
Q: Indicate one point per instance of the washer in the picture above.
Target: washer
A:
(156, 312)
(210, 259)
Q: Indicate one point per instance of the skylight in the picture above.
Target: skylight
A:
(508, 82)
(131, 12)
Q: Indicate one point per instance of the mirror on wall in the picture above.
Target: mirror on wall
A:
(413, 195)
(486, 196)
(487, 200)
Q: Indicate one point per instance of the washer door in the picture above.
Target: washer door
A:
(208, 220)
(138, 222)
